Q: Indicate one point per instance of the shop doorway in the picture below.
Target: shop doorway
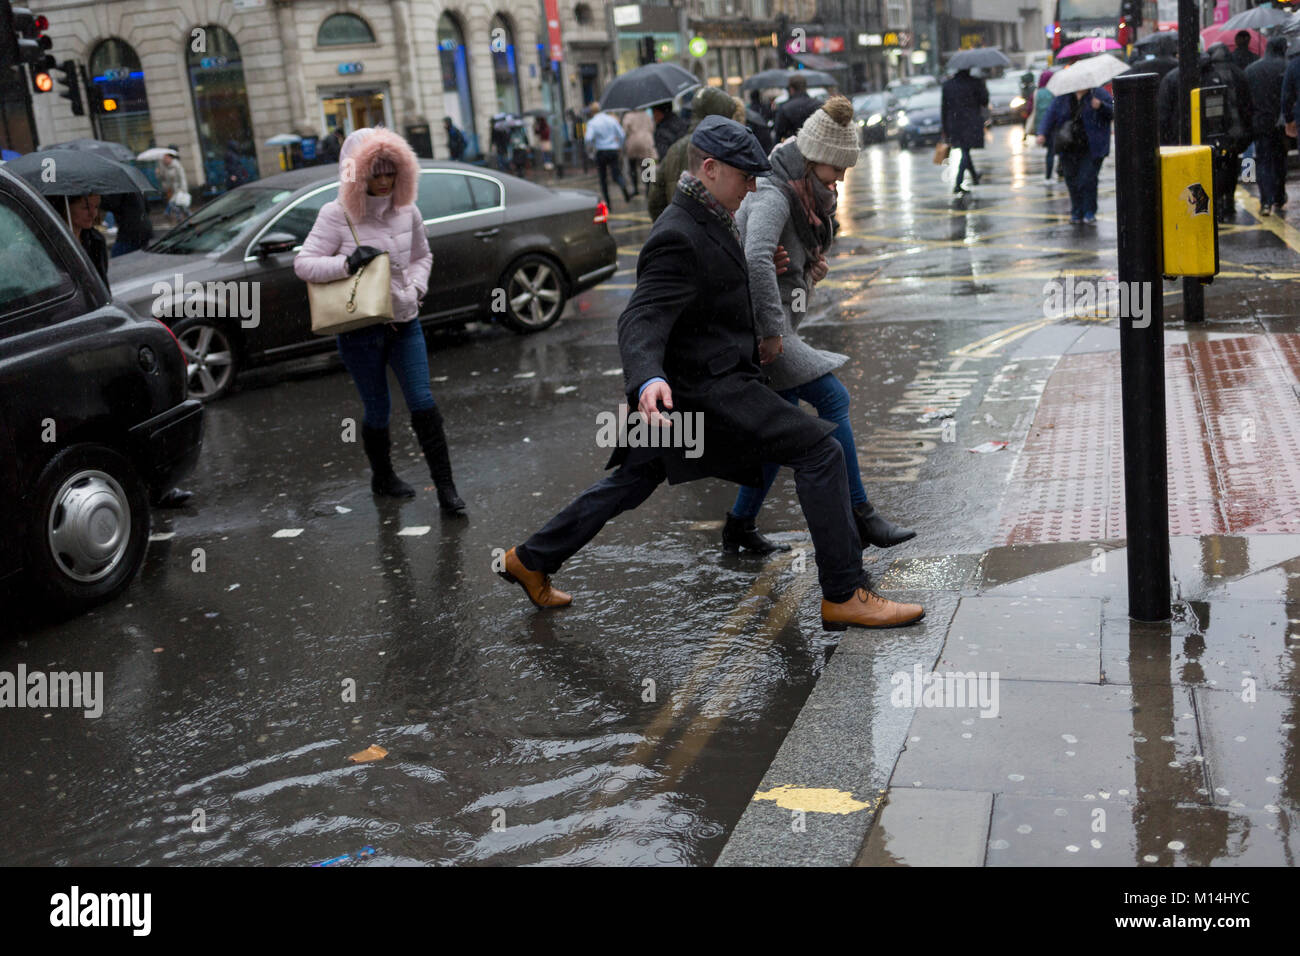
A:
(353, 109)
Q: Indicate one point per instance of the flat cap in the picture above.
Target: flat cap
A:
(731, 143)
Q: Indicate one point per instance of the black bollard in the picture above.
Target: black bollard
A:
(1142, 346)
(1189, 72)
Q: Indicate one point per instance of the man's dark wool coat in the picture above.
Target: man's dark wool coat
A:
(962, 105)
(690, 322)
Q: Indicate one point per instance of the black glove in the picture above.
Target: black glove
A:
(359, 256)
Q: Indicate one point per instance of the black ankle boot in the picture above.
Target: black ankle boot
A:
(383, 481)
(433, 441)
(740, 533)
(875, 529)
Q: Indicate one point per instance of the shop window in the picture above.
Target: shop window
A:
(344, 29)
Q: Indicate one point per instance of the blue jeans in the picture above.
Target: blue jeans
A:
(831, 399)
(368, 353)
(1081, 172)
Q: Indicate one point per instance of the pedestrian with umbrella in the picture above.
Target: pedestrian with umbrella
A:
(669, 127)
(687, 345)
(792, 113)
(962, 105)
(710, 101)
(1264, 78)
(793, 210)
(175, 189)
(1078, 126)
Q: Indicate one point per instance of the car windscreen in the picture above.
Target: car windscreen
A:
(875, 103)
(215, 227)
(925, 100)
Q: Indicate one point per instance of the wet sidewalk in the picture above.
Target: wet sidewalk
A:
(1027, 720)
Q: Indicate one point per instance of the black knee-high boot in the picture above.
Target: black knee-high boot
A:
(383, 480)
(433, 440)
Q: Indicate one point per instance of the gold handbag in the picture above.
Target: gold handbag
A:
(354, 301)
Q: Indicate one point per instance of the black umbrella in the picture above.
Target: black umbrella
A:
(1155, 39)
(779, 79)
(646, 86)
(71, 172)
(101, 147)
(980, 58)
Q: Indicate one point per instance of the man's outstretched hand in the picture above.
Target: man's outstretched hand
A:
(648, 405)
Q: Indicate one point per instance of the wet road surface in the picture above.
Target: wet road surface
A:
(286, 620)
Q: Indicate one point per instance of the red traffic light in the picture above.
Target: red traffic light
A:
(42, 22)
(42, 82)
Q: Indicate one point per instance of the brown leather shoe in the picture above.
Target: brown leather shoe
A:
(868, 609)
(535, 584)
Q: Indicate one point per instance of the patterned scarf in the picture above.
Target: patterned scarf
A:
(691, 186)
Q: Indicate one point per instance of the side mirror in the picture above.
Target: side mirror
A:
(274, 243)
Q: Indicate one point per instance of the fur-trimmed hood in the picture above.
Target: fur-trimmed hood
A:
(358, 155)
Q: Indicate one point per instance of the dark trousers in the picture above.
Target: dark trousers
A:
(820, 481)
(1081, 171)
(1051, 157)
(1270, 167)
(1227, 167)
(607, 164)
(634, 174)
(965, 164)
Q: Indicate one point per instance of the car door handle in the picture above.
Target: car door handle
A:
(486, 233)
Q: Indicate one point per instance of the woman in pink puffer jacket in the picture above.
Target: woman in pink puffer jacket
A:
(378, 183)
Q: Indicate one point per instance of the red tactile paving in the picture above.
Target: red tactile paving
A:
(1233, 424)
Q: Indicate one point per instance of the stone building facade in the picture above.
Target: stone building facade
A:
(218, 78)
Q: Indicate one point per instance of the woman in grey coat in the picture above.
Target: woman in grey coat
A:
(794, 208)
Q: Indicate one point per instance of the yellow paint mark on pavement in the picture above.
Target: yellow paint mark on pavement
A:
(1274, 224)
(814, 799)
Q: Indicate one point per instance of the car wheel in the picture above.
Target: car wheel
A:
(211, 359)
(90, 526)
(535, 294)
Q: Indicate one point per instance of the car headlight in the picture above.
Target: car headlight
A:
(902, 119)
(862, 122)
(874, 119)
(1017, 102)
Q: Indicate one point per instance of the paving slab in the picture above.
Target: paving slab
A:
(1033, 831)
(929, 828)
(1212, 644)
(1060, 740)
(1026, 638)
(1251, 748)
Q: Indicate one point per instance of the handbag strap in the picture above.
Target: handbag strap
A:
(352, 228)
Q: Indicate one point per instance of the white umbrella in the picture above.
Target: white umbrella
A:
(1086, 74)
(284, 139)
(156, 153)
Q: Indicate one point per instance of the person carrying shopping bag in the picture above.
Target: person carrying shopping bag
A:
(793, 208)
(378, 181)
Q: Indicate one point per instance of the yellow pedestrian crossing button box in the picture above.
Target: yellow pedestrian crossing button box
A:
(1189, 238)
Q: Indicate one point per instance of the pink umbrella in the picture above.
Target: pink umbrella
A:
(1087, 47)
(1216, 34)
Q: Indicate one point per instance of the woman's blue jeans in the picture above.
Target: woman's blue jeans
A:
(368, 354)
(831, 399)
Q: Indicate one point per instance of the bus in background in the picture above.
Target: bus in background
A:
(1117, 20)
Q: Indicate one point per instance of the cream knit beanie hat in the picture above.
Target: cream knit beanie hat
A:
(828, 136)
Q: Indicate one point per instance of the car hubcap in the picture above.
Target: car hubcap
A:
(208, 359)
(535, 294)
(90, 526)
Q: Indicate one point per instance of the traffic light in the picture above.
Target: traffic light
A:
(1131, 11)
(647, 50)
(71, 83)
(34, 46)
